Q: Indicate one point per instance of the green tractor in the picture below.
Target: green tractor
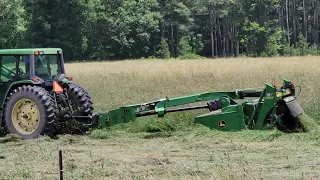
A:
(36, 96)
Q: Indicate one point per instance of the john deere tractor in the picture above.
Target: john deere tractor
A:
(36, 96)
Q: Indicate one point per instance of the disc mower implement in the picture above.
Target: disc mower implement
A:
(273, 107)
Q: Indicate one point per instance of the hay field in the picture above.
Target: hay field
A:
(181, 150)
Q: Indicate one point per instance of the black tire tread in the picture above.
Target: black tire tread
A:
(82, 97)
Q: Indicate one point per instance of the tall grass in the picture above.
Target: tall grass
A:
(172, 147)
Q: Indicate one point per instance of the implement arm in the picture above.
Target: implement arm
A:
(161, 107)
(6, 72)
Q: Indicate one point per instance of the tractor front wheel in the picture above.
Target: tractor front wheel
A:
(30, 111)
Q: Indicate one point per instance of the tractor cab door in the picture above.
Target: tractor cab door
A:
(12, 68)
(4, 78)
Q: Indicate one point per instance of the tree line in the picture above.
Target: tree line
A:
(130, 29)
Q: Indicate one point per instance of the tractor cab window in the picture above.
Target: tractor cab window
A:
(46, 66)
(12, 68)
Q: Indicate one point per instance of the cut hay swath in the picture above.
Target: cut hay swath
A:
(308, 124)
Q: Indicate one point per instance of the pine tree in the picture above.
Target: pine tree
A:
(163, 51)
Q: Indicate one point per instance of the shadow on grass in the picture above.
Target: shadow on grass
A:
(10, 138)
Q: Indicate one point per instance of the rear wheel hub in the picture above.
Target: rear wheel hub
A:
(25, 116)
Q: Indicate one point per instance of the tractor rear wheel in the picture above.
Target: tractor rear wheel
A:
(80, 99)
(81, 104)
(30, 111)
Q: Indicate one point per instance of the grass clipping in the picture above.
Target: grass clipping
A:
(307, 123)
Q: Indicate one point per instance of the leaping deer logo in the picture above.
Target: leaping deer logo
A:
(222, 124)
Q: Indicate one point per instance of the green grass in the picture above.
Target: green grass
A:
(173, 148)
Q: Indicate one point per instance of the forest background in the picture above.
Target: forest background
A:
(135, 29)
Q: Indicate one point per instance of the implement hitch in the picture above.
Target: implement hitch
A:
(274, 107)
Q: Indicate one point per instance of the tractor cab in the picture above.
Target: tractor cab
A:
(31, 64)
